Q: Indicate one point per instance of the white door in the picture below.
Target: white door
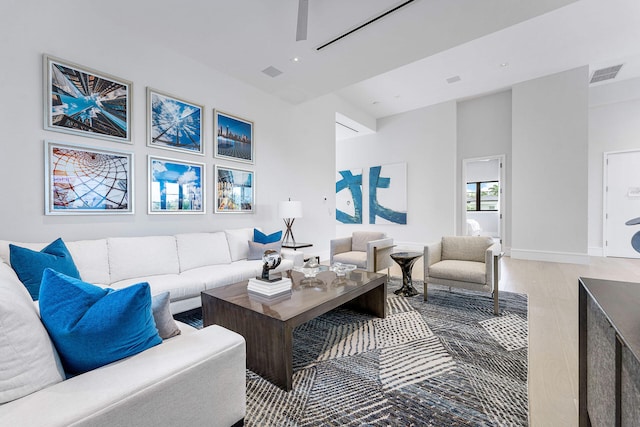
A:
(622, 204)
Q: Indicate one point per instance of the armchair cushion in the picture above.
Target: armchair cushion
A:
(465, 248)
(359, 259)
(463, 271)
(359, 239)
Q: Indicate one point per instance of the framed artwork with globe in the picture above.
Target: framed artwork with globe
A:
(83, 180)
(82, 101)
(173, 123)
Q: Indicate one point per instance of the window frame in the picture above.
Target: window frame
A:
(478, 186)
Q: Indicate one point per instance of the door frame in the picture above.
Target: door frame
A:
(503, 194)
(605, 173)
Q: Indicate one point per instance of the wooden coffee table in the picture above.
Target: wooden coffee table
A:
(267, 326)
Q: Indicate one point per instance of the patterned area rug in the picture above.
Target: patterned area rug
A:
(446, 362)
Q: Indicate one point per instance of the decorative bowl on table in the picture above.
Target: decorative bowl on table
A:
(310, 270)
(342, 269)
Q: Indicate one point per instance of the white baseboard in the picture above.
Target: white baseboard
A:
(562, 257)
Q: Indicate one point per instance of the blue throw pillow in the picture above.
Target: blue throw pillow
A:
(260, 237)
(29, 264)
(91, 326)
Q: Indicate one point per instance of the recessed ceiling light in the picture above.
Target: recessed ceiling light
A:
(296, 59)
(504, 65)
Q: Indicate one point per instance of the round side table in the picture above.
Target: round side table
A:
(406, 260)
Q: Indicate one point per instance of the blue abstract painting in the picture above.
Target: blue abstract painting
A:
(349, 196)
(388, 194)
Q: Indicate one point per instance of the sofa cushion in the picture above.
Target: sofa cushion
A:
(359, 239)
(200, 249)
(23, 338)
(260, 237)
(237, 240)
(352, 257)
(465, 248)
(180, 286)
(256, 250)
(165, 324)
(29, 265)
(131, 257)
(92, 259)
(93, 326)
(461, 271)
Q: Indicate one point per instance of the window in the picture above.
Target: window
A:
(483, 196)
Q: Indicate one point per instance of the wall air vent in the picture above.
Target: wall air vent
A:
(605, 74)
(272, 71)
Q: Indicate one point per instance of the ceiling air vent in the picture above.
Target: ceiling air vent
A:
(605, 74)
(272, 71)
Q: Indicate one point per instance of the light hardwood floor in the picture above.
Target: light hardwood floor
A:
(552, 290)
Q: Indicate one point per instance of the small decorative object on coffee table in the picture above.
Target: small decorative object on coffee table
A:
(406, 260)
(271, 259)
(342, 269)
(310, 269)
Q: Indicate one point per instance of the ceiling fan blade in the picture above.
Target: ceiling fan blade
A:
(303, 15)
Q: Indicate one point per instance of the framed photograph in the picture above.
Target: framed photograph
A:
(82, 101)
(87, 180)
(175, 186)
(235, 190)
(233, 137)
(173, 123)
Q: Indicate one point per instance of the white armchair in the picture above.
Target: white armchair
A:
(468, 262)
(368, 250)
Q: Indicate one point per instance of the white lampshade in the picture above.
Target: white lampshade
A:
(290, 209)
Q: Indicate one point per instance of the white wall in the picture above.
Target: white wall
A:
(614, 125)
(549, 167)
(27, 31)
(425, 139)
(484, 129)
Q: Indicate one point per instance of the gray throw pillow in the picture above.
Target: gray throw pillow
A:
(167, 327)
(256, 250)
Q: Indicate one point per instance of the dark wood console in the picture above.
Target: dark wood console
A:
(609, 353)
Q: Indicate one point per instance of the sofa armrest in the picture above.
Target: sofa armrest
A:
(489, 259)
(338, 246)
(378, 252)
(149, 389)
(432, 254)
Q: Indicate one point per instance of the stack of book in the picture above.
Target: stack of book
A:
(269, 289)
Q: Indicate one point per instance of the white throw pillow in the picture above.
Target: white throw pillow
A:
(28, 358)
(238, 246)
(202, 249)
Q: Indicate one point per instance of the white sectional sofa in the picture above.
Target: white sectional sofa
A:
(195, 378)
(184, 264)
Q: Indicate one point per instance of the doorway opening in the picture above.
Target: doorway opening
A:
(483, 197)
